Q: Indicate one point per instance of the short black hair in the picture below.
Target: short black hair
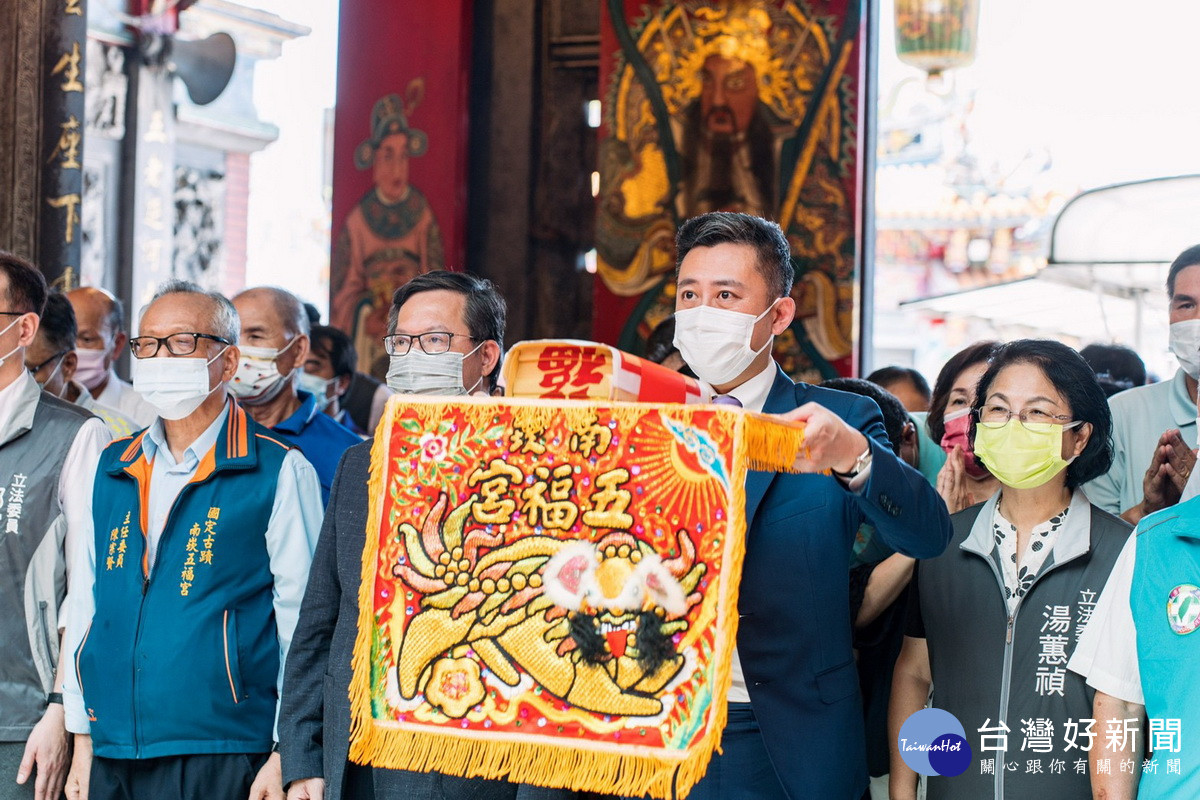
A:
(895, 416)
(26, 284)
(485, 310)
(890, 376)
(774, 256)
(58, 323)
(969, 356)
(1188, 258)
(314, 315)
(1117, 367)
(335, 345)
(1076, 382)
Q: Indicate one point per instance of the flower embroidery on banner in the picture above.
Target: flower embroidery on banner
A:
(454, 686)
(433, 447)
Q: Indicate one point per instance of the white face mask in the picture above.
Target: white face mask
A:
(1185, 344)
(417, 372)
(715, 342)
(174, 386)
(258, 380)
(8, 328)
(91, 369)
(318, 387)
(50, 377)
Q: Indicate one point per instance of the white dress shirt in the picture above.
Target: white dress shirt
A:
(753, 396)
(291, 538)
(1106, 655)
(120, 395)
(120, 424)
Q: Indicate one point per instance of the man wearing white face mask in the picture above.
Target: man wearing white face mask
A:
(48, 454)
(52, 362)
(329, 372)
(795, 727)
(187, 592)
(273, 348)
(444, 335)
(101, 339)
(1154, 427)
(459, 321)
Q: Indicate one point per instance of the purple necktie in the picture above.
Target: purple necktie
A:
(726, 400)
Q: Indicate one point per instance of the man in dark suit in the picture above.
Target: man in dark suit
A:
(795, 727)
(314, 720)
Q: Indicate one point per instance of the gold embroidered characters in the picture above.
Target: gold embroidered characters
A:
(611, 502)
(494, 482)
(195, 554)
(118, 543)
(548, 500)
(591, 437)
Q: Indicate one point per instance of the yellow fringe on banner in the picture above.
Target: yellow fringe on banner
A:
(761, 443)
(771, 444)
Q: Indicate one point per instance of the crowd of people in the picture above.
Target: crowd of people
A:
(183, 552)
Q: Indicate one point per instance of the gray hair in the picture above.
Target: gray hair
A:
(225, 321)
(291, 311)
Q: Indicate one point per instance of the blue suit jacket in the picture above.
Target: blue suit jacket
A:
(794, 631)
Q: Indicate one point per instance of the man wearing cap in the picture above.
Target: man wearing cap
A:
(273, 347)
(52, 362)
(389, 238)
(100, 318)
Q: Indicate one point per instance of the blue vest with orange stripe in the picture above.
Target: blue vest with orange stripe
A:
(182, 658)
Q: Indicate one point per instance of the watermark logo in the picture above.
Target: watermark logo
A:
(933, 742)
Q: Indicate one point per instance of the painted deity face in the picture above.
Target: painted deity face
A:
(729, 91)
(390, 167)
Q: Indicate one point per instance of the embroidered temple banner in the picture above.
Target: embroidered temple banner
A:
(549, 588)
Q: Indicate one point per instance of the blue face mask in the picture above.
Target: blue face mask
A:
(318, 387)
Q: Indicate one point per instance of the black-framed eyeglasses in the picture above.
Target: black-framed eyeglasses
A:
(432, 343)
(15, 313)
(39, 367)
(994, 416)
(178, 344)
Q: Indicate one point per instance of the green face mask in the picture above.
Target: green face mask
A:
(1023, 456)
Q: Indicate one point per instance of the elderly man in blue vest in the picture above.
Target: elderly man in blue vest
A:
(187, 592)
(48, 453)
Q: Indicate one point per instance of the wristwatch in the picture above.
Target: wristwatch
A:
(54, 697)
(860, 464)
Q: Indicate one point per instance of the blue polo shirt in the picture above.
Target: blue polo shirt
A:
(319, 438)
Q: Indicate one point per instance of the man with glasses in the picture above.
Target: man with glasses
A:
(273, 346)
(188, 588)
(446, 331)
(52, 362)
(448, 339)
(48, 454)
(101, 339)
